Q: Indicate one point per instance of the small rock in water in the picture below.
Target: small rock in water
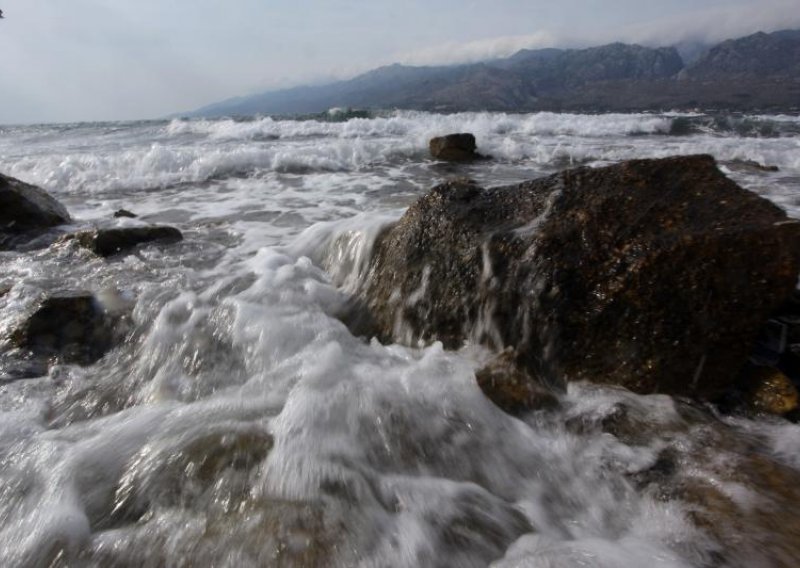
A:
(108, 242)
(752, 165)
(15, 369)
(454, 148)
(511, 388)
(771, 391)
(124, 213)
(25, 211)
(71, 326)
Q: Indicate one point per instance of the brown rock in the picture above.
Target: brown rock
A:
(454, 148)
(771, 391)
(108, 242)
(511, 387)
(656, 275)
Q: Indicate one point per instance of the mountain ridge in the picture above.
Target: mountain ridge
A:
(756, 72)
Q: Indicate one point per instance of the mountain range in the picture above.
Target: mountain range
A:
(757, 72)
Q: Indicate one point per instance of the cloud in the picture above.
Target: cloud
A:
(480, 50)
(703, 25)
(716, 24)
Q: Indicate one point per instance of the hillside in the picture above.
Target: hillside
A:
(761, 71)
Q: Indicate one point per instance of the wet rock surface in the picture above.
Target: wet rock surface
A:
(454, 148)
(70, 326)
(511, 388)
(752, 165)
(739, 489)
(771, 391)
(25, 211)
(655, 275)
(108, 242)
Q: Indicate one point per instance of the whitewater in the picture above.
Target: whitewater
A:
(241, 423)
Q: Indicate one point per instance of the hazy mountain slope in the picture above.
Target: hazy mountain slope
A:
(761, 71)
(758, 55)
(429, 88)
(613, 62)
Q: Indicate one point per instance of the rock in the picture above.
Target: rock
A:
(108, 242)
(14, 369)
(454, 148)
(511, 388)
(655, 275)
(771, 391)
(751, 165)
(26, 210)
(124, 213)
(70, 326)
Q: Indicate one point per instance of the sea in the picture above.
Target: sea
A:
(239, 422)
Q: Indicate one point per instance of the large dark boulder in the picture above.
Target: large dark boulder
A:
(69, 326)
(26, 210)
(108, 242)
(656, 275)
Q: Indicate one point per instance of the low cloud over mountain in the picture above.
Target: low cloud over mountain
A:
(760, 71)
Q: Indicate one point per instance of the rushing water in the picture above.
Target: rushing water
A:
(242, 424)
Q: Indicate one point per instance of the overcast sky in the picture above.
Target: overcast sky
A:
(81, 60)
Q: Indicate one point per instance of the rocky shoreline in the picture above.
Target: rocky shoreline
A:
(659, 276)
(66, 326)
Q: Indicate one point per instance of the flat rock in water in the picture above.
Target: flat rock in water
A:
(108, 242)
(655, 275)
(26, 210)
(70, 326)
(751, 165)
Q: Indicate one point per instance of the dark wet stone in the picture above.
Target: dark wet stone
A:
(15, 369)
(70, 326)
(656, 275)
(26, 211)
(454, 148)
(751, 165)
(512, 388)
(661, 472)
(770, 391)
(108, 242)
(124, 213)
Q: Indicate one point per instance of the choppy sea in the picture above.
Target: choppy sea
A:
(242, 424)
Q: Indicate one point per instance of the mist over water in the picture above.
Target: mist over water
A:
(241, 423)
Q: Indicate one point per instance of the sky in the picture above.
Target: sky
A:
(92, 60)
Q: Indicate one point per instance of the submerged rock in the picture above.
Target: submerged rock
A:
(454, 148)
(108, 242)
(655, 275)
(26, 210)
(124, 213)
(511, 388)
(751, 165)
(771, 391)
(71, 326)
